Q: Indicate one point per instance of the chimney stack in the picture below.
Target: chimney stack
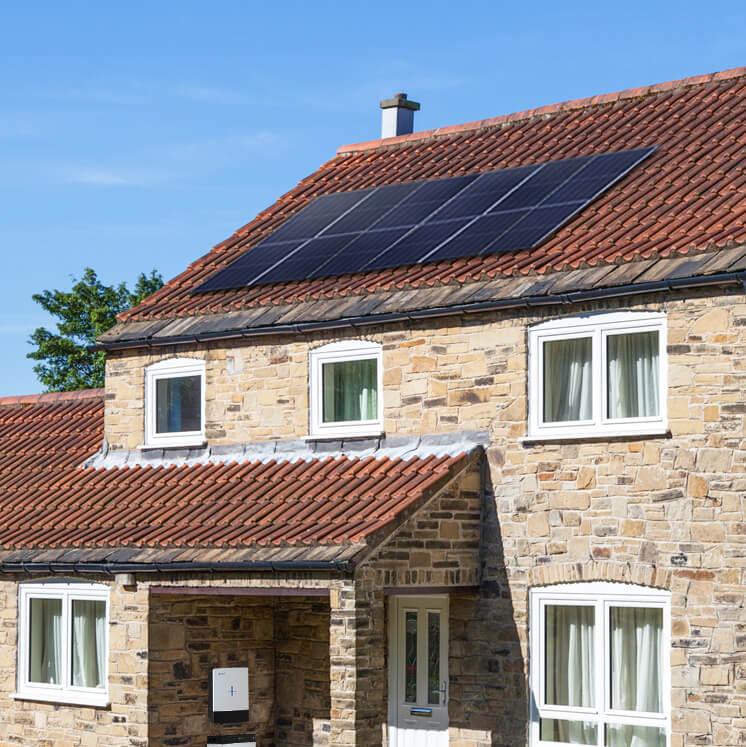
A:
(398, 116)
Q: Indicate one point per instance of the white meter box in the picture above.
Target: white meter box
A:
(229, 695)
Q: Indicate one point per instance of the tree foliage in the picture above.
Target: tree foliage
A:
(85, 312)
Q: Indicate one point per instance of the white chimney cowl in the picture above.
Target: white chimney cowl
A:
(398, 116)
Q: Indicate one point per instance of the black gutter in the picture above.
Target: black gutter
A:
(343, 566)
(593, 294)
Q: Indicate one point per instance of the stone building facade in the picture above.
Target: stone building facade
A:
(261, 545)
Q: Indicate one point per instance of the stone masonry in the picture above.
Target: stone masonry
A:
(666, 512)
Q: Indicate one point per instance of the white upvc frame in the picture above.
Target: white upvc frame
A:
(341, 352)
(65, 692)
(602, 596)
(172, 368)
(597, 327)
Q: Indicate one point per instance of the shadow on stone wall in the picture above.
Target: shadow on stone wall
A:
(284, 641)
(489, 693)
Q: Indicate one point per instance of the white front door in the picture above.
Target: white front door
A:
(418, 671)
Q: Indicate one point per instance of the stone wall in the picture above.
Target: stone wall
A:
(284, 642)
(123, 723)
(665, 511)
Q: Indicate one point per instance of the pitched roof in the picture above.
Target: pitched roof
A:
(319, 508)
(687, 197)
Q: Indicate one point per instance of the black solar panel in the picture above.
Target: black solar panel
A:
(404, 224)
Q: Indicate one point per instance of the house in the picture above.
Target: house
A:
(486, 487)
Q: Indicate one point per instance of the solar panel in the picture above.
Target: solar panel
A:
(404, 224)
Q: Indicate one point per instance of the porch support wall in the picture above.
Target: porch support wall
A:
(357, 664)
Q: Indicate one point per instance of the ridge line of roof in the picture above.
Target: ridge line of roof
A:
(32, 399)
(561, 106)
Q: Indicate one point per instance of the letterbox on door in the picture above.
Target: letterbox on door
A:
(229, 695)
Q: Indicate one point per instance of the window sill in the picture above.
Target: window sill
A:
(198, 443)
(72, 699)
(377, 433)
(658, 432)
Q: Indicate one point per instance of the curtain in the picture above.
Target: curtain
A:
(570, 667)
(88, 643)
(633, 375)
(350, 391)
(567, 380)
(45, 650)
(635, 673)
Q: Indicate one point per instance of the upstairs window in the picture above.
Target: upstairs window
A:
(174, 403)
(346, 390)
(598, 375)
(63, 642)
(599, 671)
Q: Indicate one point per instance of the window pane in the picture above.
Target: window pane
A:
(179, 404)
(88, 643)
(622, 735)
(636, 634)
(567, 380)
(410, 658)
(350, 391)
(569, 732)
(45, 646)
(569, 655)
(633, 375)
(433, 658)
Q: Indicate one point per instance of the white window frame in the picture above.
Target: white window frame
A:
(598, 327)
(341, 352)
(171, 369)
(602, 596)
(65, 692)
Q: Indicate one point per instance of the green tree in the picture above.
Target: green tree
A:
(85, 312)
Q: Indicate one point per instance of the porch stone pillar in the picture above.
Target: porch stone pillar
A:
(357, 665)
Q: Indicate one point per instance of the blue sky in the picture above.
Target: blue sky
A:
(135, 136)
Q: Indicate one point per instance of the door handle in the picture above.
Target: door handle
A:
(444, 691)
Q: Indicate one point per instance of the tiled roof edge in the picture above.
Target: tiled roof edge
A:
(50, 397)
(562, 106)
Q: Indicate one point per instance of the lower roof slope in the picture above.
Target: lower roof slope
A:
(688, 197)
(321, 509)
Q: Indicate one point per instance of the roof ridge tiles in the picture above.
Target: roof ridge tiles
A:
(543, 111)
(50, 397)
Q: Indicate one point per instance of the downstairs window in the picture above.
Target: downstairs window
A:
(63, 642)
(599, 666)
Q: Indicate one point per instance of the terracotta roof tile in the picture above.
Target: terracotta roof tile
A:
(48, 501)
(688, 196)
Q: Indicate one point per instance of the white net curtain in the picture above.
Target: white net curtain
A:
(350, 391)
(634, 655)
(632, 375)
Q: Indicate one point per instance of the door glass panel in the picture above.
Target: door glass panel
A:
(624, 735)
(433, 658)
(568, 732)
(410, 657)
(569, 655)
(635, 637)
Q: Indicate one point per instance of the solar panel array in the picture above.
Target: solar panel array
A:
(406, 224)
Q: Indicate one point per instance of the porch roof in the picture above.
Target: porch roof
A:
(273, 506)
